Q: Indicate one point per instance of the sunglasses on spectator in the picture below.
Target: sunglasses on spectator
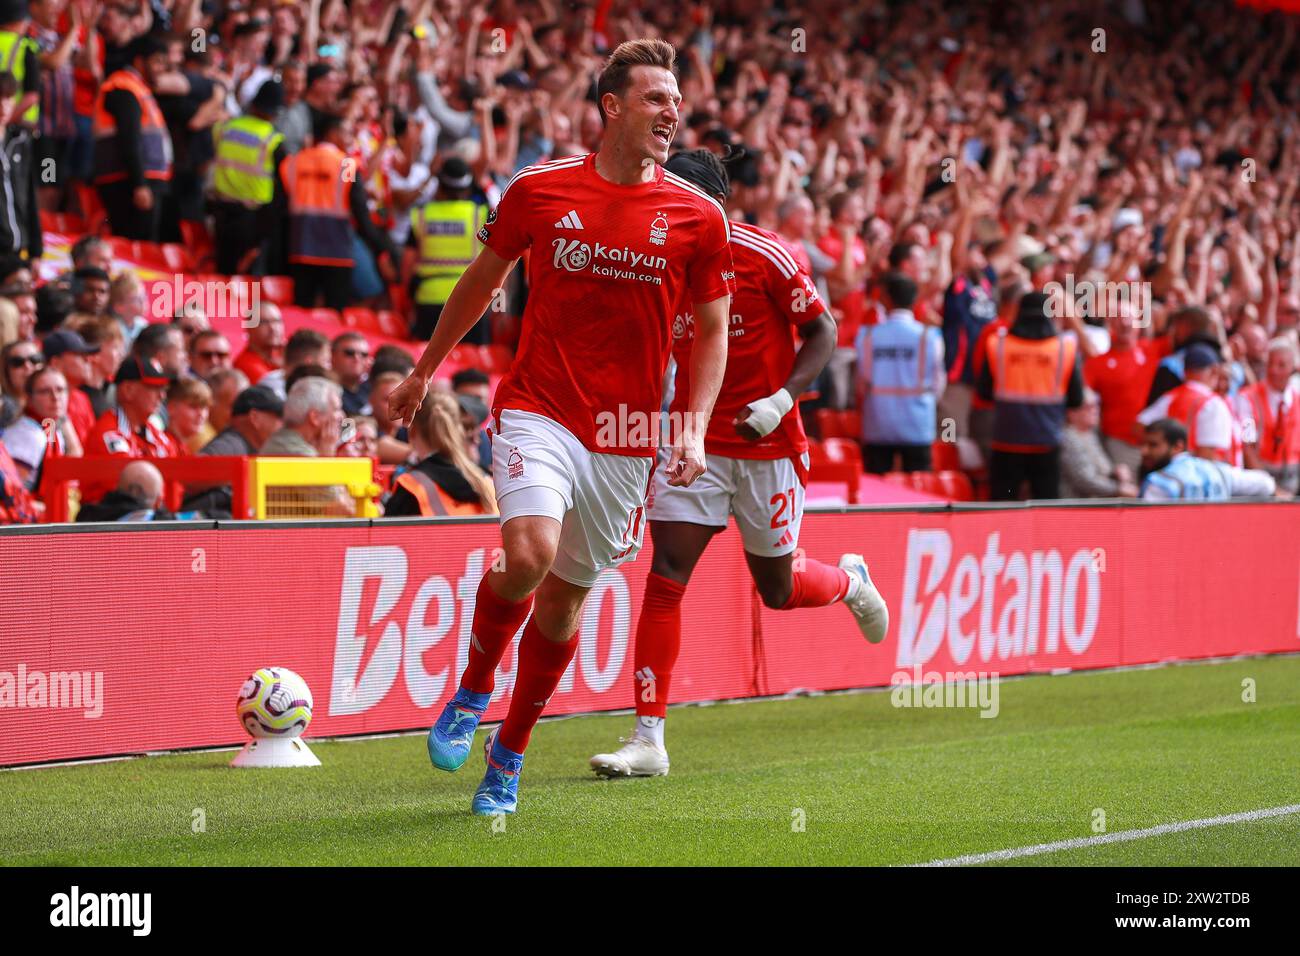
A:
(18, 361)
(211, 356)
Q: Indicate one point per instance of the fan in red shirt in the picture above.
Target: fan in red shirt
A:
(1122, 378)
(758, 467)
(129, 430)
(614, 244)
(265, 350)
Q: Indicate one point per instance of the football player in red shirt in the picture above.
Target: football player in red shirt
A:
(758, 467)
(615, 244)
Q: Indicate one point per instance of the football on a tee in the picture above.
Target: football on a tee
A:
(274, 702)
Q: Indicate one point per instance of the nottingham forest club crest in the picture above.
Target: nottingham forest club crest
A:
(659, 230)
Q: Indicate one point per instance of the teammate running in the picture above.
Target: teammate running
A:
(615, 244)
(757, 469)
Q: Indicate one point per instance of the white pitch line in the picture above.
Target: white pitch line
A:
(1121, 837)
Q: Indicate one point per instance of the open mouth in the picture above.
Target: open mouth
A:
(663, 133)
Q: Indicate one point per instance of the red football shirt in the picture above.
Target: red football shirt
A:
(607, 268)
(113, 436)
(1122, 381)
(773, 297)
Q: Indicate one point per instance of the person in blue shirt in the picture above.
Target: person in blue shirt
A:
(1171, 473)
(900, 379)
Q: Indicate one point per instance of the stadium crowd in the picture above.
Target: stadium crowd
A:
(1103, 190)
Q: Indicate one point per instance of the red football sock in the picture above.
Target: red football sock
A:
(817, 585)
(658, 641)
(541, 665)
(496, 621)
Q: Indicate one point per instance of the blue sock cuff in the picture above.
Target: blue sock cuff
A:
(506, 757)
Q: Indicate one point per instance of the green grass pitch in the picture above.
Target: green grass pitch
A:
(871, 783)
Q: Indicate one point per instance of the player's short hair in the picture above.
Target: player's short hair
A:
(617, 73)
(900, 291)
(1170, 429)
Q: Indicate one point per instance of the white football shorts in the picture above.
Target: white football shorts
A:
(540, 468)
(766, 497)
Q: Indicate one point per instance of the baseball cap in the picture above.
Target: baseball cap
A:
(61, 341)
(1198, 356)
(141, 370)
(257, 398)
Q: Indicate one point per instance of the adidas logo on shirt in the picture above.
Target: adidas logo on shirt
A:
(570, 221)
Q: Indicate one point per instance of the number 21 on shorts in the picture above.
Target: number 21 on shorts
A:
(781, 502)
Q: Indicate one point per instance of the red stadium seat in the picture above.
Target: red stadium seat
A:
(176, 257)
(198, 242)
(92, 210)
(943, 456)
(68, 223)
(359, 318)
(834, 423)
(277, 289)
(466, 356)
(953, 485)
(392, 324)
(323, 314)
(836, 459)
(122, 247)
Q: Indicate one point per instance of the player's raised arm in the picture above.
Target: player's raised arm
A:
(466, 304)
(708, 363)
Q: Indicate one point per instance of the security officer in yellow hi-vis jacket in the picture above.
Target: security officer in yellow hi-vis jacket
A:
(443, 235)
(249, 150)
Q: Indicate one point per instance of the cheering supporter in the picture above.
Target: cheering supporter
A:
(305, 347)
(188, 403)
(68, 353)
(1269, 412)
(43, 430)
(350, 360)
(1171, 473)
(1086, 470)
(265, 349)
(1197, 405)
(1121, 377)
(900, 378)
(446, 481)
(209, 351)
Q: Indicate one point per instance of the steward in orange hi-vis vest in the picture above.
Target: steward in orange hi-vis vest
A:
(1277, 424)
(111, 147)
(316, 185)
(1031, 373)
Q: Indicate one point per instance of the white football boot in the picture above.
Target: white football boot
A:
(638, 757)
(864, 600)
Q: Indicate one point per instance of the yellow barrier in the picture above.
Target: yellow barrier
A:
(314, 488)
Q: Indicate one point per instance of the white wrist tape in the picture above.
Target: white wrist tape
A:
(766, 413)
